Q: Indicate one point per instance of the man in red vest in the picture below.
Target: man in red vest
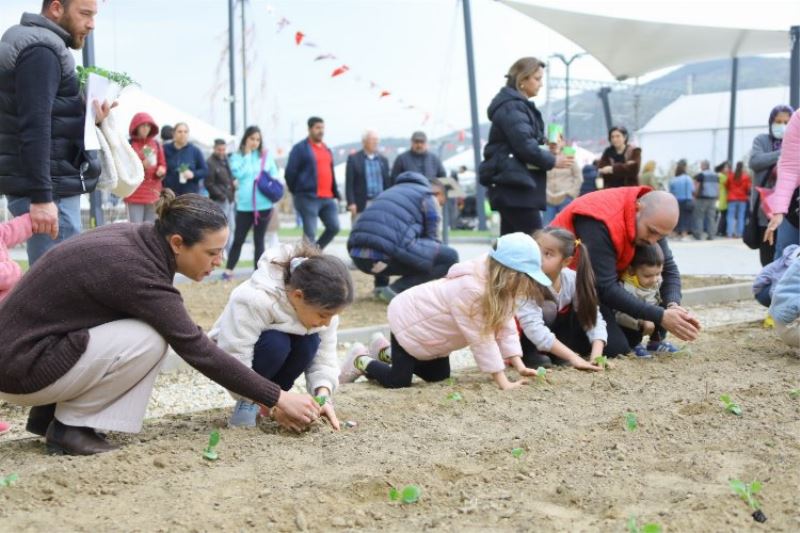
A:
(611, 223)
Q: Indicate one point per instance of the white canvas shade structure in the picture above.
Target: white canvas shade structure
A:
(648, 45)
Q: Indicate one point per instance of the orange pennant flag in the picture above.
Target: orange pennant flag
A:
(339, 71)
(384, 93)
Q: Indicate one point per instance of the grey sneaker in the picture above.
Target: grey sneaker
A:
(384, 294)
(244, 415)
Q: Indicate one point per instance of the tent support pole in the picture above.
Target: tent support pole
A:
(732, 123)
(231, 69)
(473, 104)
(95, 197)
(794, 68)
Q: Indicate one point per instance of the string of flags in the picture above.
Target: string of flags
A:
(301, 40)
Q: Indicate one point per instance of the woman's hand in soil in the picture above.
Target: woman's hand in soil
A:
(328, 412)
(300, 410)
(680, 323)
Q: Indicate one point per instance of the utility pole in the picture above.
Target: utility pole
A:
(567, 63)
(732, 118)
(244, 69)
(473, 104)
(95, 197)
(231, 69)
(794, 68)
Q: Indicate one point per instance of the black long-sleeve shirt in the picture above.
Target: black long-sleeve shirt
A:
(594, 235)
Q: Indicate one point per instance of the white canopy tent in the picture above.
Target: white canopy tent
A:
(648, 45)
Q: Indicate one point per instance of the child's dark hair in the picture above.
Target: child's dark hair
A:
(648, 255)
(584, 279)
(324, 279)
(188, 215)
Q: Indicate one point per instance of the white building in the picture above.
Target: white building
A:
(695, 127)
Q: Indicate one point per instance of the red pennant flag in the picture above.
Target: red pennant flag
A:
(298, 37)
(339, 71)
(384, 93)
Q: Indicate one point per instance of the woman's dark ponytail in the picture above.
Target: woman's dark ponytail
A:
(585, 289)
(188, 215)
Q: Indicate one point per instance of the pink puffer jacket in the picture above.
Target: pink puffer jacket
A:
(435, 318)
(788, 167)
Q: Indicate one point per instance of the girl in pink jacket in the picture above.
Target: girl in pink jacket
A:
(472, 306)
(12, 233)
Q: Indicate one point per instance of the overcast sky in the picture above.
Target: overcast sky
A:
(175, 49)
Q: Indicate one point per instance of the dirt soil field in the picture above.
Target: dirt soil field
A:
(580, 469)
(206, 300)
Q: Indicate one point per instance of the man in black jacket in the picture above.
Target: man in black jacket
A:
(221, 185)
(418, 159)
(43, 168)
(367, 175)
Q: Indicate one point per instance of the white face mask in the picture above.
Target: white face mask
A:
(778, 130)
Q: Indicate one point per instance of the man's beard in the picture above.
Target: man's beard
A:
(76, 38)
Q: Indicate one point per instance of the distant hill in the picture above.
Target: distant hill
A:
(587, 123)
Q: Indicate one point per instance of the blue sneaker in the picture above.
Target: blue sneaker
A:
(662, 348)
(244, 415)
(641, 352)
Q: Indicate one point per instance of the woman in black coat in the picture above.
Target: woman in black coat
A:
(515, 165)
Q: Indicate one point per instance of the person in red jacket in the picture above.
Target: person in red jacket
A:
(738, 186)
(142, 203)
(611, 223)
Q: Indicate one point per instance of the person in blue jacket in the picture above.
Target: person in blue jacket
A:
(186, 166)
(785, 308)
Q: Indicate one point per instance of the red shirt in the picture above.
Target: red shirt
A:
(738, 191)
(324, 170)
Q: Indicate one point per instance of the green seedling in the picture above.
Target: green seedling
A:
(209, 452)
(183, 167)
(634, 527)
(601, 361)
(455, 396)
(794, 394)
(517, 452)
(409, 494)
(730, 405)
(747, 492)
(8, 480)
(120, 78)
(631, 424)
(450, 381)
(541, 374)
(320, 400)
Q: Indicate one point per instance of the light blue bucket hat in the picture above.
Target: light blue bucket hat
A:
(520, 252)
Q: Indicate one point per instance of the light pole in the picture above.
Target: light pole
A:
(567, 63)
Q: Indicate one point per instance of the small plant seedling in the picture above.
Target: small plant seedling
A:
(209, 452)
(409, 494)
(8, 480)
(730, 405)
(517, 452)
(601, 361)
(320, 400)
(633, 527)
(183, 167)
(747, 492)
(794, 394)
(450, 381)
(120, 78)
(631, 424)
(541, 374)
(455, 396)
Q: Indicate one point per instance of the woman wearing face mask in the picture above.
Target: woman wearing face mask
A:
(764, 163)
(784, 201)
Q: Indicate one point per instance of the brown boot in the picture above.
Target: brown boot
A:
(62, 439)
(39, 418)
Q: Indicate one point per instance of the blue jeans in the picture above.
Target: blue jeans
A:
(553, 210)
(736, 211)
(69, 223)
(786, 235)
(327, 209)
(282, 357)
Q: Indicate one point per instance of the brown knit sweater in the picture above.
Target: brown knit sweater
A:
(111, 273)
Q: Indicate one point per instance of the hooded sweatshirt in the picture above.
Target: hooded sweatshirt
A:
(152, 155)
(435, 318)
(260, 304)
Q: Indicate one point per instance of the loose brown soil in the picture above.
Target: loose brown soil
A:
(206, 300)
(580, 470)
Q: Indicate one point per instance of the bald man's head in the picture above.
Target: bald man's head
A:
(656, 216)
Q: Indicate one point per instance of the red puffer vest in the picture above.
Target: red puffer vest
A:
(616, 208)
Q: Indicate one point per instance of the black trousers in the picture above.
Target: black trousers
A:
(244, 221)
(410, 277)
(621, 340)
(524, 219)
(568, 331)
(398, 375)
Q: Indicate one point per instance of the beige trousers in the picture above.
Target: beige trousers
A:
(110, 385)
(789, 333)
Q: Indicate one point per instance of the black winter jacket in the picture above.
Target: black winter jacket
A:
(515, 165)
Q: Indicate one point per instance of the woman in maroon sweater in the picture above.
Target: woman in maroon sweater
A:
(86, 330)
(620, 162)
